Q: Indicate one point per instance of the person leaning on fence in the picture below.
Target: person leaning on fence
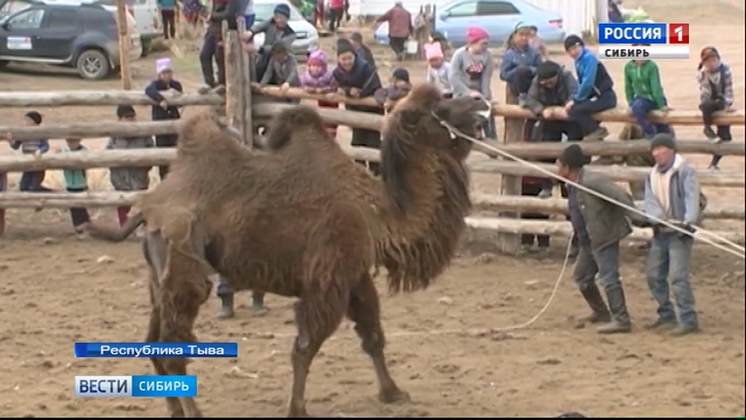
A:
(600, 226)
(362, 50)
(162, 110)
(595, 91)
(319, 79)
(274, 30)
(128, 178)
(357, 79)
(470, 72)
(644, 93)
(398, 87)
(212, 47)
(282, 70)
(76, 182)
(552, 88)
(437, 69)
(32, 180)
(715, 94)
(672, 194)
(519, 62)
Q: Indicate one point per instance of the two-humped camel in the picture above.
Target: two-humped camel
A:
(304, 220)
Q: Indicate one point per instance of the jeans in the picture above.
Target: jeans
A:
(168, 17)
(552, 131)
(605, 263)
(249, 20)
(640, 109)
(31, 181)
(709, 108)
(582, 112)
(78, 215)
(212, 49)
(670, 254)
(521, 80)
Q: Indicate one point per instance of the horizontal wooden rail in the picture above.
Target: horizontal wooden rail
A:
(91, 130)
(102, 97)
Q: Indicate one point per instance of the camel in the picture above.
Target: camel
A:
(305, 221)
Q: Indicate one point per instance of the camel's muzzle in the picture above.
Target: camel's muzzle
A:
(482, 117)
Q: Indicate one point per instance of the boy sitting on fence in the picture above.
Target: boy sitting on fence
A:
(715, 94)
(128, 178)
(644, 92)
(519, 63)
(76, 182)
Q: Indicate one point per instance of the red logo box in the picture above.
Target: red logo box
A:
(678, 33)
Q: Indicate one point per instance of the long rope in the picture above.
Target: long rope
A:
(737, 250)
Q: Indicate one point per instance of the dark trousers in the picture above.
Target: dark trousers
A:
(31, 182)
(249, 20)
(165, 140)
(582, 112)
(169, 23)
(520, 82)
(366, 138)
(529, 238)
(603, 263)
(551, 131)
(397, 45)
(78, 215)
(335, 19)
(709, 108)
(212, 49)
(640, 109)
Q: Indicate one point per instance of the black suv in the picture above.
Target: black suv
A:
(80, 36)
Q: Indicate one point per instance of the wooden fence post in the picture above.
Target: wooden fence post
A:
(234, 79)
(510, 243)
(124, 45)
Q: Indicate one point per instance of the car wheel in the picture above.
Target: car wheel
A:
(145, 46)
(93, 64)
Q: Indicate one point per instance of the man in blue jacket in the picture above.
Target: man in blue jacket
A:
(672, 194)
(595, 90)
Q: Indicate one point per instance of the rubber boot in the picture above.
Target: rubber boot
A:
(226, 306)
(620, 322)
(600, 312)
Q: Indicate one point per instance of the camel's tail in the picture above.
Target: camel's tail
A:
(115, 235)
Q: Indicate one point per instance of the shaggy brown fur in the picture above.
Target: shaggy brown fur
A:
(305, 221)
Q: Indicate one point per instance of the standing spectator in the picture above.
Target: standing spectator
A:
(552, 87)
(437, 69)
(615, 15)
(274, 30)
(212, 48)
(168, 16)
(248, 14)
(470, 72)
(162, 110)
(672, 194)
(519, 63)
(318, 14)
(319, 78)
(400, 28)
(192, 9)
(361, 49)
(128, 178)
(3, 187)
(595, 91)
(336, 11)
(600, 226)
(31, 180)
(356, 78)
(715, 94)
(76, 182)
(644, 92)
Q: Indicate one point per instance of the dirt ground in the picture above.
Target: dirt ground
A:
(56, 290)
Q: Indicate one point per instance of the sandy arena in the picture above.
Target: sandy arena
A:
(56, 290)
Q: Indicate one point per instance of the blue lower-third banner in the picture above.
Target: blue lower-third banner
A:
(136, 386)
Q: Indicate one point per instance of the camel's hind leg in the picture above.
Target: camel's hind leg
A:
(317, 317)
(365, 312)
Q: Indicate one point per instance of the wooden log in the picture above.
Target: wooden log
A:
(90, 159)
(102, 97)
(564, 229)
(91, 130)
(494, 202)
(123, 41)
(233, 94)
(89, 199)
(617, 173)
(511, 185)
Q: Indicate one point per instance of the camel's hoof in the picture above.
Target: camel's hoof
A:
(394, 396)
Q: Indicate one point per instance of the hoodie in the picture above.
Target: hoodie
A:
(673, 193)
(516, 57)
(717, 85)
(643, 82)
(325, 81)
(593, 79)
(469, 72)
(540, 97)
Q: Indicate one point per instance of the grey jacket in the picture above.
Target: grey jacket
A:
(685, 197)
(605, 222)
(130, 179)
(540, 97)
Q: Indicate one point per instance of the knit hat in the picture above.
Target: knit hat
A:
(34, 116)
(707, 53)
(401, 74)
(476, 34)
(663, 140)
(433, 50)
(344, 46)
(526, 25)
(573, 157)
(357, 37)
(125, 111)
(572, 41)
(163, 64)
(547, 70)
(279, 47)
(282, 9)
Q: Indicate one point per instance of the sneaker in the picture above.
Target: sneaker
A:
(660, 323)
(714, 168)
(527, 249)
(545, 193)
(682, 330)
(542, 249)
(522, 99)
(597, 135)
(615, 327)
(711, 135)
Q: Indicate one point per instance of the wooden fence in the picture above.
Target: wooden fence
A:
(243, 116)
